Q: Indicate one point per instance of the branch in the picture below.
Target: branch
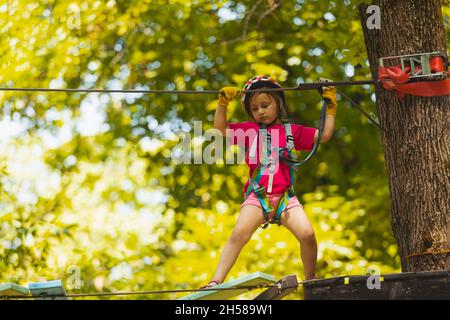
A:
(273, 7)
(246, 23)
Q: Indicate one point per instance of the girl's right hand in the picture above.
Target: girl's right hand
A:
(228, 94)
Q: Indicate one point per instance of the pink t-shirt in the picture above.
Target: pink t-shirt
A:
(243, 134)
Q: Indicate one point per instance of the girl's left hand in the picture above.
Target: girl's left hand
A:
(329, 94)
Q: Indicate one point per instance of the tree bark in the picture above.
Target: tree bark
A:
(416, 144)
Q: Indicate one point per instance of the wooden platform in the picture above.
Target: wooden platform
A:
(47, 288)
(247, 280)
(37, 289)
(399, 286)
(12, 289)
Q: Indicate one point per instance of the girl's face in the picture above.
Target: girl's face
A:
(263, 108)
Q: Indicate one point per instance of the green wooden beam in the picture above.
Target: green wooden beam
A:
(41, 289)
(247, 280)
(12, 289)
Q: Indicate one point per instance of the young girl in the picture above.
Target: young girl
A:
(269, 191)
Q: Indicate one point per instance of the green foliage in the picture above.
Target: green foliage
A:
(87, 180)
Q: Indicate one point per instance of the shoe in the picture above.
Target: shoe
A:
(210, 284)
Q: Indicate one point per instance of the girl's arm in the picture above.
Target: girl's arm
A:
(227, 94)
(327, 130)
(220, 119)
(329, 94)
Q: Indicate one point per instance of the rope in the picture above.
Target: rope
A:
(356, 105)
(427, 252)
(303, 86)
(109, 90)
(102, 294)
(295, 163)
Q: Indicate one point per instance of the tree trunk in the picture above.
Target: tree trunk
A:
(416, 144)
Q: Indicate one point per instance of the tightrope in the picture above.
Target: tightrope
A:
(303, 86)
(300, 87)
(100, 294)
(103, 294)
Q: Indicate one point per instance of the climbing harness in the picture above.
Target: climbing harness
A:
(423, 74)
(268, 161)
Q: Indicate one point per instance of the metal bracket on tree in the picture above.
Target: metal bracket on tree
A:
(423, 74)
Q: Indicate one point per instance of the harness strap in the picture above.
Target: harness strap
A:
(282, 205)
(252, 153)
(289, 147)
(289, 137)
(271, 173)
(259, 192)
(271, 162)
(266, 144)
(399, 77)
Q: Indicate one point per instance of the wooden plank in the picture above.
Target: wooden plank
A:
(285, 286)
(12, 289)
(247, 280)
(41, 289)
(407, 285)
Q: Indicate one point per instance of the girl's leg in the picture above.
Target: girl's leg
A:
(250, 218)
(296, 221)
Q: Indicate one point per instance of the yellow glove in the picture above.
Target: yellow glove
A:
(329, 94)
(228, 94)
